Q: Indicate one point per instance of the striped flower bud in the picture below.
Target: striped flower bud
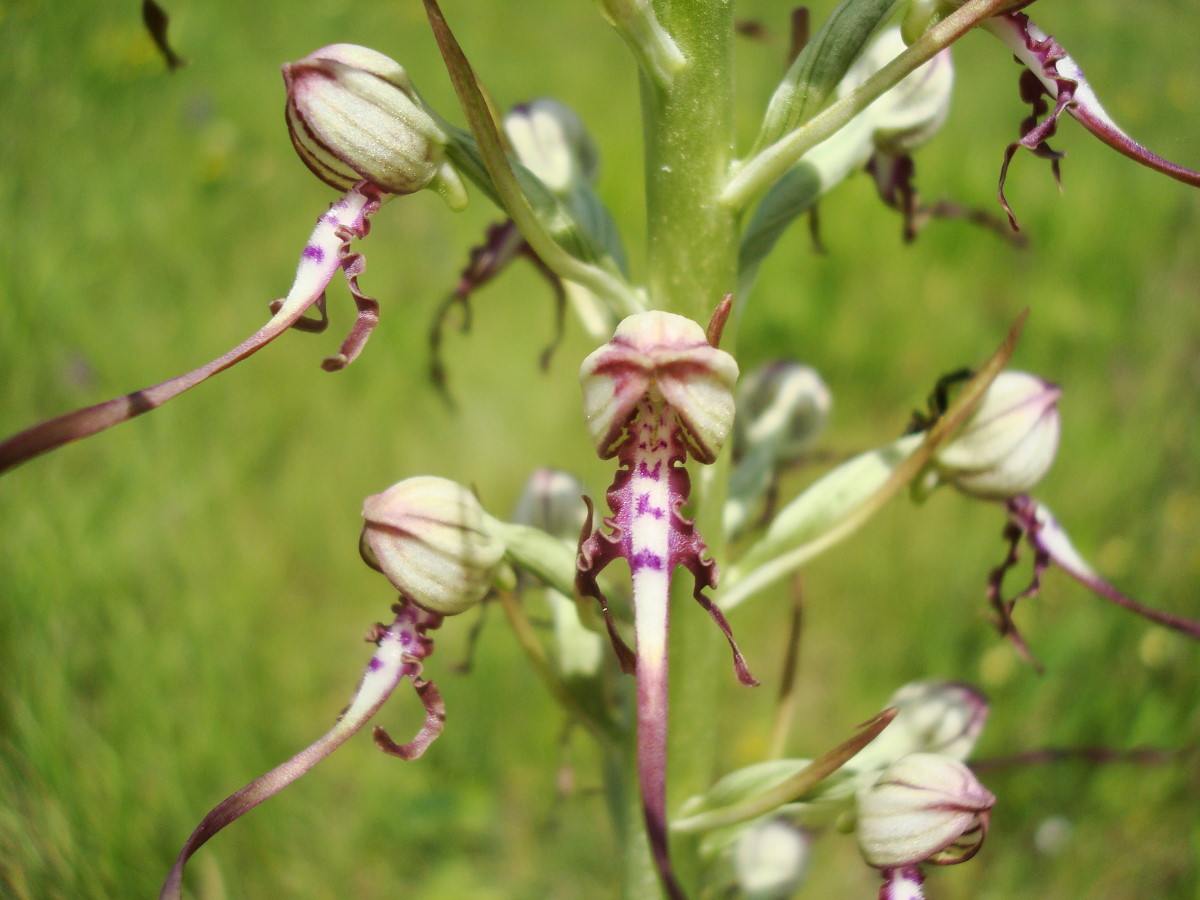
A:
(433, 541)
(667, 358)
(1010, 441)
(925, 807)
(353, 115)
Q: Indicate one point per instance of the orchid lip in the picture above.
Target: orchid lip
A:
(1062, 79)
(658, 392)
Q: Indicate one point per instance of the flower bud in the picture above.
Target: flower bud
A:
(552, 142)
(353, 114)
(770, 859)
(925, 807)
(1007, 444)
(667, 358)
(432, 540)
(783, 404)
(944, 717)
(552, 501)
(908, 115)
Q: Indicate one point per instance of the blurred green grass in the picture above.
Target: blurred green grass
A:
(182, 597)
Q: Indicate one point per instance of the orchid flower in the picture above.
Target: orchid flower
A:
(430, 537)
(340, 100)
(658, 392)
(401, 650)
(1050, 72)
(1002, 452)
(1030, 520)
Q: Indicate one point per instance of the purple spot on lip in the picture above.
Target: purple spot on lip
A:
(645, 472)
(375, 664)
(313, 252)
(646, 560)
(644, 507)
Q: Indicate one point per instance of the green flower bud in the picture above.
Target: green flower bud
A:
(925, 807)
(667, 358)
(433, 541)
(770, 859)
(783, 404)
(353, 114)
(943, 717)
(551, 141)
(908, 115)
(1007, 445)
(782, 408)
(553, 501)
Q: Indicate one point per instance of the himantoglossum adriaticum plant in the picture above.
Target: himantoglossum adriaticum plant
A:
(659, 396)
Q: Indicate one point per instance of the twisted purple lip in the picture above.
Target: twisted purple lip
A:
(402, 648)
(327, 250)
(1052, 73)
(650, 531)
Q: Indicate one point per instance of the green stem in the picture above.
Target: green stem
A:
(688, 126)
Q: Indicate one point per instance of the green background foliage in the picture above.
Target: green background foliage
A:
(183, 601)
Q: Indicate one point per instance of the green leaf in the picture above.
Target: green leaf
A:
(820, 66)
(768, 786)
(794, 194)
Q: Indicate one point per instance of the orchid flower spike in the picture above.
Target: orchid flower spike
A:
(654, 395)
